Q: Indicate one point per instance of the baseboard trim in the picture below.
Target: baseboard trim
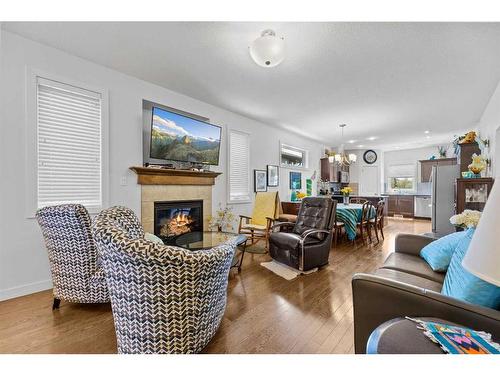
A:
(26, 289)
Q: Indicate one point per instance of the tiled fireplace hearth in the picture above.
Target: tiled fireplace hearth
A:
(172, 186)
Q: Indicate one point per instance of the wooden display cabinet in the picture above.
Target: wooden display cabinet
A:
(472, 193)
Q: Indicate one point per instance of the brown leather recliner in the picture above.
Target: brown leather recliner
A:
(306, 244)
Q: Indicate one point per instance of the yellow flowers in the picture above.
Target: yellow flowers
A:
(301, 195)
(346, 191)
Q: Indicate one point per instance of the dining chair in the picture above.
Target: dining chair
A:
(357, 200)
(378, 221)
(365, 224)
(337, 227)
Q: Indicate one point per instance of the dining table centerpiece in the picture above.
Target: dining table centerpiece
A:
(346, 191)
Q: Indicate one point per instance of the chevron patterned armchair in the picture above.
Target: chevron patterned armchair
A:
(76, 275)
(164, 299)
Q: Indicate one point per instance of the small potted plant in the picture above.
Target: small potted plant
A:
(346, 191)
(223, 219)
(466, 219)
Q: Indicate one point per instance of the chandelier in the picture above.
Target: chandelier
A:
(342, 158)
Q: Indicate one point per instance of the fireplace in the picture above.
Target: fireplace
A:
(173, 218)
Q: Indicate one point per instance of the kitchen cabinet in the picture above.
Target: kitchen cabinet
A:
(426, 167)
(329, 171)
(403, 205)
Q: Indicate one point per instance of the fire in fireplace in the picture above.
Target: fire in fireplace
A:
(173, 218)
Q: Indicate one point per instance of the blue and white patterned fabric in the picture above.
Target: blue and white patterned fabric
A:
(461, 284)
(438, 253)
(76, 273)
(165, 299)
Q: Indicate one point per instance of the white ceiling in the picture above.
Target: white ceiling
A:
(386, 80)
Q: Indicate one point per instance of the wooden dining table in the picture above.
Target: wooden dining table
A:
(350, 215)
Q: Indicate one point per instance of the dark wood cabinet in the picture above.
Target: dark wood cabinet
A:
(329, 171)
(403, 205)
(466, 152)
(426, 167)
(472, 193)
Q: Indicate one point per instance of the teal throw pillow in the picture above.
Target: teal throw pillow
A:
(461, 284)
(438, 253)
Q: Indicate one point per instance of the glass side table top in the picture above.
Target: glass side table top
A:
(207, 240)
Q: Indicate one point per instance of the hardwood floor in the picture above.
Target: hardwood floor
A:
(265, 313)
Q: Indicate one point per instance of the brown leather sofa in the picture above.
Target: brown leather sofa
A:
(306, 244)
(406, 286)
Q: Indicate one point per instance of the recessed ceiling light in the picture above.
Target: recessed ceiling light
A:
(427, 132)
(371, 138)
(361, 145)
(428, 137)
(351, 141)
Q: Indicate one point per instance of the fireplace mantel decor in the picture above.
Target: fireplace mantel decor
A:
(162, 176)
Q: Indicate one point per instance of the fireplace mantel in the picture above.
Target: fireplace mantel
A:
(162, 176)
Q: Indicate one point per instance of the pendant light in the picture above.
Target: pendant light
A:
(341, 158)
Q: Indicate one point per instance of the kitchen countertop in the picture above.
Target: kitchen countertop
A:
(408, 195)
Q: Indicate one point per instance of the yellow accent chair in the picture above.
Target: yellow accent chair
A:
(265, 211)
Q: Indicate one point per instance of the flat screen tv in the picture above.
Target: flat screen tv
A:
(181, 138)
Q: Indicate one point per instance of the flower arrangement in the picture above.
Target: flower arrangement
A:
(346, 191)
(442, 151)
(300, 195)
(478, 164)
(467, 219)
(223, 219)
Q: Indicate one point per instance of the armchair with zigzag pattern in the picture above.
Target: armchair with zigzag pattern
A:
(165, 299)
(76, 274)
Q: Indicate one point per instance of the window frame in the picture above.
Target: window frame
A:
(300, 149)
(402, 189)
(249, 177)
(31, 137)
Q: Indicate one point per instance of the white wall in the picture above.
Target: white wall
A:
(489, 127)
(23, 260)
(356, 168)
(410, 156)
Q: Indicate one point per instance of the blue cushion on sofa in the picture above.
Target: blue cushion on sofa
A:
(461, 284)
(438, 253)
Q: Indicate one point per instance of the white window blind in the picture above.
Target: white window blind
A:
(401, 170)
(69, 127)
(239, 167)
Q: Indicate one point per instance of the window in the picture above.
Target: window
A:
(401, 183)
(69, 145)
(293, 157)
(239, 167)
(401, 177)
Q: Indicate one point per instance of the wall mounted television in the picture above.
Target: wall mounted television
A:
(181, 138)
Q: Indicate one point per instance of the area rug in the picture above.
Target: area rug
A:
(284, 271)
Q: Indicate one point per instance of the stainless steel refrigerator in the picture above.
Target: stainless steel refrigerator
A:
(443, 180)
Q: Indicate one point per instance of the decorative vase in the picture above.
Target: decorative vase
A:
(346, 199)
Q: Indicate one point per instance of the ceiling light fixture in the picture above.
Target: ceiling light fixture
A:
(342, 158)
(427, 132)
(371, 138)
(268, 50)
(351, 141)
